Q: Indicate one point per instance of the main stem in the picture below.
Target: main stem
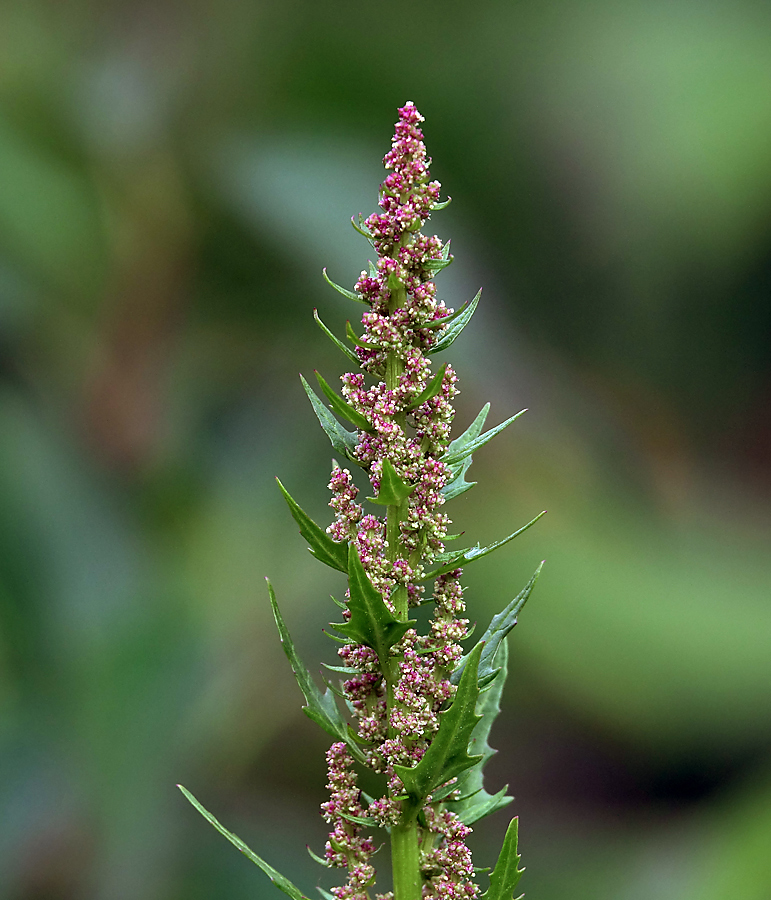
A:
(405, 851)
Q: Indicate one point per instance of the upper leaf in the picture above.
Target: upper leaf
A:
(453, 457)
(506, 873)
(499, 627)
(447, 755)
(343, 409)
(321, 708)
(475, 802)
(336, 341)
(458, 558)
(343, 441)
(393, 491)
(281, 882)
(331, 553)
(372, 622)
(456, 327)
(344, 291)
(431, 390)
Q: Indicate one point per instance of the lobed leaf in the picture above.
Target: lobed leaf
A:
(454, 330)
(343, 441)
(332, 553)
(351, 295)
(281, 882)
(506, 873)
(499, 627)
(372, 622)
(393, 491)
(336, 341)
(475, 802)
(447, 755)
(343, 409)
(432, 389)
(322, 708)
(453, 457)
(458, 558)
(458, 485)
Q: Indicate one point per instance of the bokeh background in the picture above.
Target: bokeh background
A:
(173, 176)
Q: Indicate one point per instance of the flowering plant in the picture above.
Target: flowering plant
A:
(420, 709)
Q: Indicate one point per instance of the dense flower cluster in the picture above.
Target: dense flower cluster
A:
(396, 712)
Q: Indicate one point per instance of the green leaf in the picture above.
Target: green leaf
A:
(362, 228)
(343, 441)
(356, 340)
(282, 883)
(461, 321)
(332, 553)
(470, 434)
(458, 485)
(358, 820)
(341, 290)
(341, 408)
(499, 627)
(441, 205)
(336, 341)
(506, 873)
(319, 859)
(432, 389)
(393, 491)
(475, 802)
(459, 558)
(322, 708)
(372, 622)
(453, 457)
(447, 755)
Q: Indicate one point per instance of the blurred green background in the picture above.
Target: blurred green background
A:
(173, 176)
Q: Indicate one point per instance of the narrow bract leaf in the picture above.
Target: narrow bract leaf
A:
(506, 873)
(362, 228)
(460, 558)
(453, 457)
(341, 408)
(475, 802)
(432, 389)
(499, 627)
(336, 341)
(454, 330)
(321, 708)
(393, 491)
(356, 340)
(282, 883)
(316, 858)
(458, 485)
(441, 204)
(372, 622)
(341, 290)
(343, 441)
(447, 755)
(332, 553)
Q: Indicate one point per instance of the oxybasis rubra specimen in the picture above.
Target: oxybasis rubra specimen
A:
(417, 709)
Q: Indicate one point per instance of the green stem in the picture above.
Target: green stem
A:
(405, 858)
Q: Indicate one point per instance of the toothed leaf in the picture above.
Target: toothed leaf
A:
(499, 627)
(475, 802)
(332, 553)
(432, 389)
(393, 491)
(336, 341)
(506, 873)
(281, 882)
(458, 485)
(460, 558)
(343, 441)
(453, 457)
(454, 330)
(341, 290)
(341, 408)
(321, 708)
(372, 622)
(447, 755)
